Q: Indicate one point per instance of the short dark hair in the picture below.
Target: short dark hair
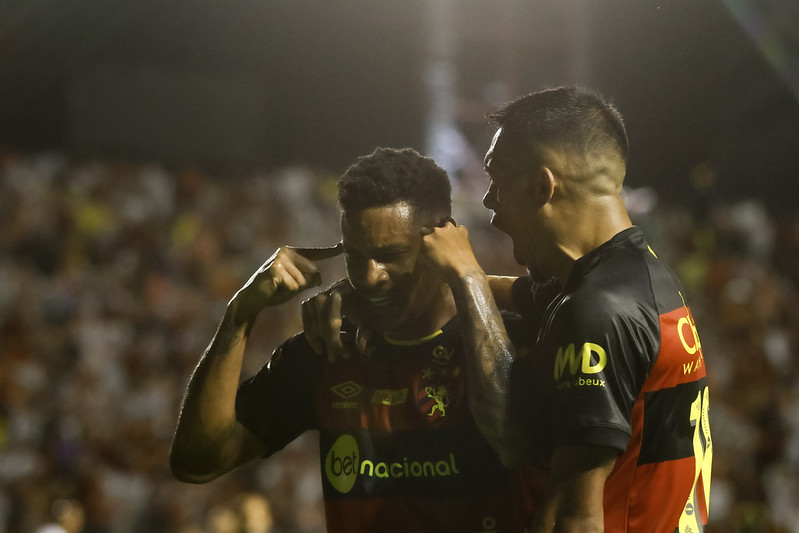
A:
(391, 175)
(572, 117)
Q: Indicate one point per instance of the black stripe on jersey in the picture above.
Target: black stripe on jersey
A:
(668, 432)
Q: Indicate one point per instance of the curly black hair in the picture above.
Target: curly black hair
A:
(391, 175)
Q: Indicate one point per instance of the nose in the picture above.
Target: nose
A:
(490, 197)
(372, 276)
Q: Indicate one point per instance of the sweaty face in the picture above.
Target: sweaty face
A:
(381, 249)
(509, 196)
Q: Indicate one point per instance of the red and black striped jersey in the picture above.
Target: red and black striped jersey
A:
(618, 363)
(399, 448)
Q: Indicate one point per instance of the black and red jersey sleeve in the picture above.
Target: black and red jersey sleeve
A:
(279, 402)
(600, 343)
(598, 355)
(618, 363)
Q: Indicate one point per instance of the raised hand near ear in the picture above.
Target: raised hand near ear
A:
(322, 318)
(289, 271)
(447, 249)
(321, 323)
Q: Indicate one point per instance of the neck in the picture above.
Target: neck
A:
(428, 315)
(599, 220)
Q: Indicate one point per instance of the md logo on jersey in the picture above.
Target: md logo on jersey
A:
(590, 359)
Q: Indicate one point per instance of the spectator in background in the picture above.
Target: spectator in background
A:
(68, 517)
(256, 514)
(103, 281)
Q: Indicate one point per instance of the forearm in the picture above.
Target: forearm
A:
(489, 352)
(489, 359)
(209, 441)
(207, 436)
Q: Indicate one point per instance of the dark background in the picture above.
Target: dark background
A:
(708, 87)
(153, 154)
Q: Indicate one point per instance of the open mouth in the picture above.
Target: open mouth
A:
(496, 222)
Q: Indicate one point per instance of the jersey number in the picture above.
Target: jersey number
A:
(690, 520)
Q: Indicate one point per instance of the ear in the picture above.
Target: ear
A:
(543, 182)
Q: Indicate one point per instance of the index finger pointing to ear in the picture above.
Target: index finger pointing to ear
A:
(427, 230)
(319, 253)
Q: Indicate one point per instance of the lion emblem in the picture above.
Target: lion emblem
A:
(441, 398)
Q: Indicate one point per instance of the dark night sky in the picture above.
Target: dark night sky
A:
(263, 83)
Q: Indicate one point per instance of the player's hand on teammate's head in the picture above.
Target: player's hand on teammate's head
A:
(287, 272)
(447, 249)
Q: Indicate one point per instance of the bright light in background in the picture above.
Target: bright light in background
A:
(639, 201)
(444, 141)
(772, 25)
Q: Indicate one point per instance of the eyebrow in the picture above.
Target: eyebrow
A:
(388, 248)
(500, 163)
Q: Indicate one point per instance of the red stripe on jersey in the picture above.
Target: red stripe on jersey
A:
(647, 495)
(680, 359)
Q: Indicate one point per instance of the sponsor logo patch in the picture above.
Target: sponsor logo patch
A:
(346, 391)
(590, 359)
(344, 464)
(389, 396)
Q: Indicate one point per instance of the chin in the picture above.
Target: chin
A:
(520, 259)
(389, 317)
(532, 269)
(537, 275)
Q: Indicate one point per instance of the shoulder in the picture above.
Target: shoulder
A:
(294, 368)
(615, 293)
(627, 277)
(531, 298)
(295, 353)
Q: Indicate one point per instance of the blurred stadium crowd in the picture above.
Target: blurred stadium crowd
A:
(113, 276)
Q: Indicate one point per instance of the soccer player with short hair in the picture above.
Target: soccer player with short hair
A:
(615, 399)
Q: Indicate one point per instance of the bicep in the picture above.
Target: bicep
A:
(279, 403)
(502, 291)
